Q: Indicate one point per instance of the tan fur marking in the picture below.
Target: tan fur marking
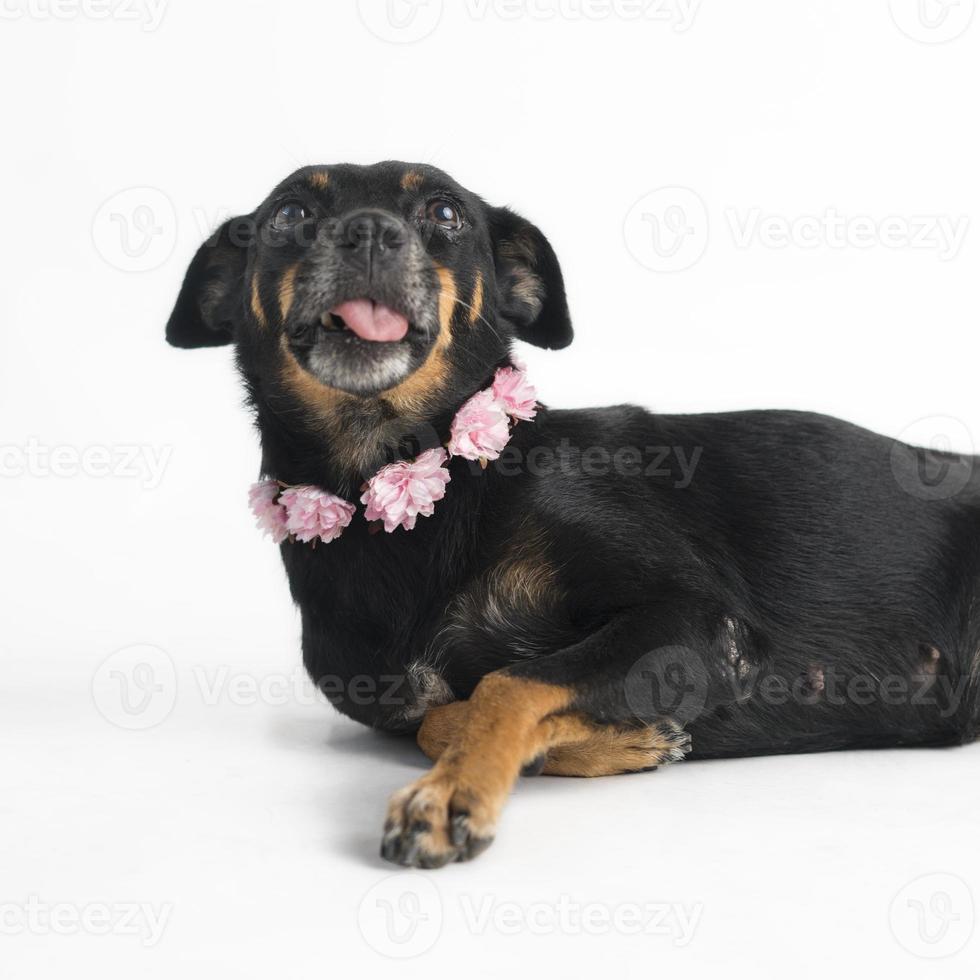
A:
(476, 306)
(529, 582)
(447, 300)
(257, 302)
(319, 180)
(608, 750)
(323, 400)
(522, 580)
(334, 409)
(409, 397)
(526, 576)
(479, 762)
(575, 745)
(412, 180)
(527, 286)
(287, 290)
(529, 289)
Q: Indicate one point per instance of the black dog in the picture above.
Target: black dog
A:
(616, 588)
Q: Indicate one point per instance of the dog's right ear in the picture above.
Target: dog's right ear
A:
(211, 300)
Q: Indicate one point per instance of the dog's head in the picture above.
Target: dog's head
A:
(387, 283)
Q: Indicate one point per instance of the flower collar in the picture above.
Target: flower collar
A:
(399, 493)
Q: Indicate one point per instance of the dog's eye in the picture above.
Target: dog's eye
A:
(288, 215)
(444, 213)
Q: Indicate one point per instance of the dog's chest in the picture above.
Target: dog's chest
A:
(386, 642)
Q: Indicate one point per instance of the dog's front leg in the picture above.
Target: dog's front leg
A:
(450, 814)
(518, 715)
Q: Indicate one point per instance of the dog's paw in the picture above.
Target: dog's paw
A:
(437, 820)
(668, 742)
(613, 751)
(650, 747)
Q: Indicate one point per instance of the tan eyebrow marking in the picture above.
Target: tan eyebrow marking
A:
(257, 302)
(476, 306)
(287, 290)
(412, 180)
(320, 179)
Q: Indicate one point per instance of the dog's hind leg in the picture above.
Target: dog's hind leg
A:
(577, 746)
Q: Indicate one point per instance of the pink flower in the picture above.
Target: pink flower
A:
(481, 428)
(270, 515)
(314, 513)
(400, 492)
(515, 393)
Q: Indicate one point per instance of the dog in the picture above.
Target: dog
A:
(576, 593)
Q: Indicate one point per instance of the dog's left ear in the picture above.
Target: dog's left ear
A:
(531, 290)
(211, 299)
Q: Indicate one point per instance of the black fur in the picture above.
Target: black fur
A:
(741, 554)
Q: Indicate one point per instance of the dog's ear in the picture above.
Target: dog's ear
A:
(531, 291)
(211, 300)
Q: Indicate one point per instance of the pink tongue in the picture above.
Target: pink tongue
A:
(372, 321)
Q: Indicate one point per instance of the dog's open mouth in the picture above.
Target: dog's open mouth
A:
(362, 345)
(367, 319)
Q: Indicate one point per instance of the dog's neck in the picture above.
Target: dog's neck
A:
(350, 438)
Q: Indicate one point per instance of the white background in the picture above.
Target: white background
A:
(251, 818)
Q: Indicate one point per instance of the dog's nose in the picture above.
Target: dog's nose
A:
(372, 237)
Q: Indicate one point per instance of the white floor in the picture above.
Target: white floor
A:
(237, 836)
